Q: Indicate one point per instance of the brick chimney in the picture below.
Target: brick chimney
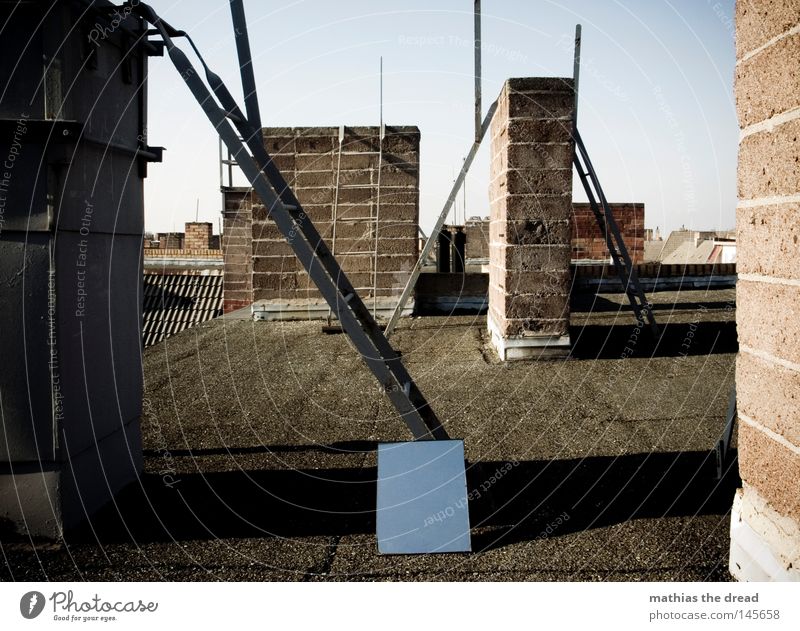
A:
(198, 235)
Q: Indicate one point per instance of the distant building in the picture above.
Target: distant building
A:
(182, 281)
(588, 242)
(692, 246)
(198, 235)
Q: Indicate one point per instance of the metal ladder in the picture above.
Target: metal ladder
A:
(295, 225)
(371, 220)
(642, 309)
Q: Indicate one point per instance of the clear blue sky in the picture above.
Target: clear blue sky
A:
(656, 93)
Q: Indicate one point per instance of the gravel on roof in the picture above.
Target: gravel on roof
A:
(260, 442)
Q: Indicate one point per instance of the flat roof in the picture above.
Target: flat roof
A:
(260, 441)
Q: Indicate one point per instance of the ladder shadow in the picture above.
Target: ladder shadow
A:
(518, 505)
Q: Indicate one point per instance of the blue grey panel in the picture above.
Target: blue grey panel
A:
(422, 498)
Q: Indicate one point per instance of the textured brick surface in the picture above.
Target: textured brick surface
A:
(759, 21)
(530, 194)
(769, 394)
(768, 299)
(768, 240)
(768, 163)
(197, 236)
(768, 318)
(477, 246)
(237, 236)
(310, 162)
(772, 468)
(769, 82)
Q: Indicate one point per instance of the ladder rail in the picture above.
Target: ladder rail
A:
(614, 241)
(335, 209)
(377, 218)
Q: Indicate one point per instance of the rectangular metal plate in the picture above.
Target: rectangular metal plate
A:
(422, 498)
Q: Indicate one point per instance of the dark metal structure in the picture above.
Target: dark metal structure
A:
(445, 240)
(73, 139)
(459, 250)
(725, 455)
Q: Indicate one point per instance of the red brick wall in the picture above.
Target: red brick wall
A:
(197, 236)
(588, 242)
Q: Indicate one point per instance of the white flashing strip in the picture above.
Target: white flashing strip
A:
(770, 280)
(774, 436)
(768, 43)
(770, 124)
(769, 201)
(769, 357)
(530, 347)
(316, 309)
(751, 558)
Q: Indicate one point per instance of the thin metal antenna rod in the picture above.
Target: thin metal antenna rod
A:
(477, 46)
(576, 73)
(448, 205)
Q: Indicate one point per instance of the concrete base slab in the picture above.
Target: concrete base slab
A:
(765, 546)
(319, 310)
(30, 502)
(42, 499)
(528, 347)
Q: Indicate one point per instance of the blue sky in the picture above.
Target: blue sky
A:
(656, 94)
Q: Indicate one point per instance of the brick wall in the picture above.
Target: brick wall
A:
(530, 194)
(765, 523)
(237, 248)
(170, 240)
(309, 160)
(588, 242)
(197, 236)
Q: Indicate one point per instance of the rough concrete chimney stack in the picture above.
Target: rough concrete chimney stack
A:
(530, 195)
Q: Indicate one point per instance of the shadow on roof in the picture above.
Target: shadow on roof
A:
(678, 339)
(509, 502)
